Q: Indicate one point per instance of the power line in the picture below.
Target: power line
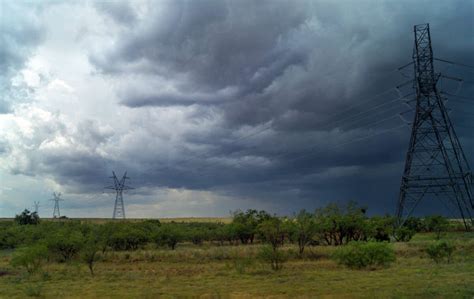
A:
(358, 139)
(361, 103)
(283, 153)
(265, 128)
(457, 96)
(363, 112)
(455, 63)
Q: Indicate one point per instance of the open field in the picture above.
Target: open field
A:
(211, 271)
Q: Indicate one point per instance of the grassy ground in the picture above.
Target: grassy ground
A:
(211, 271)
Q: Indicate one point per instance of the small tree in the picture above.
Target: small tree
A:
(403, 234)
(440, 250)
(245, 224)
(436, 224)
(65, 244)
(26, 217)
(303, 230)
(380, 228)
(31, 258)
(360, 255)
(89, 252)
(271, 231)
(275, 257)
(170, 235)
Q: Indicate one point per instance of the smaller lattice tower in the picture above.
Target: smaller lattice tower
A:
(119, 186)
(56, 198)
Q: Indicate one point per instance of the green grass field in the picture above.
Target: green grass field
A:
(211, 271)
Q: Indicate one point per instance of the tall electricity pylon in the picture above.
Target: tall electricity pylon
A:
(119, 186)
(56, 198)
(435, 167)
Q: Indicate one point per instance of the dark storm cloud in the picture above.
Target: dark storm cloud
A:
(282, 72)
(297, 65)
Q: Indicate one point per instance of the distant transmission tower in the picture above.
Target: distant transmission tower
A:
(37, 205)
(119, 186)
(56, 198)
(435, 167)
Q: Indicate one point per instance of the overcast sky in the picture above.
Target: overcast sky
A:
(214, 106)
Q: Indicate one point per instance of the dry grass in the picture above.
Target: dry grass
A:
(210, 271)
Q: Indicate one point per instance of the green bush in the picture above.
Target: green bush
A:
(33, 290)
(403, 234)
(302, 230)
(414, 224)
(273, 255)
(197, 235)
(339, 225)
(224, 233)
(65, 244)
(169, 235)
(26, 217)
(241, 264)
(441, 250)
(436, 224)
(30, 258)
(90, 250)
(245, 224)
(380, 228)
(272, 231)
(127, 237)
(358, 255)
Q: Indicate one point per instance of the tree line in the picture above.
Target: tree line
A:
(333, 225)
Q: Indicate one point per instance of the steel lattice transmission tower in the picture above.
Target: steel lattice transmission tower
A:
(436, 167)
(56, 198)
(119, 186)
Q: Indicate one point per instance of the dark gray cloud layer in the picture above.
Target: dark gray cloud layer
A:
(296, 66)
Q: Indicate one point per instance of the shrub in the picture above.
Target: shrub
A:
(303, 229)
(436, 224)
(33, 290)
(380, 228)
(127, 238)
(414, 223)
(245, 224)
(65, 244)
(273, 255)
(31, 258)
(358, 255)
(89, 251)
(26, 217)
(403, 234)
(197, 235)
(340, 225)
(241, 264)
(224, 233)
(170, 235)
(272, 231)
(440, 250)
